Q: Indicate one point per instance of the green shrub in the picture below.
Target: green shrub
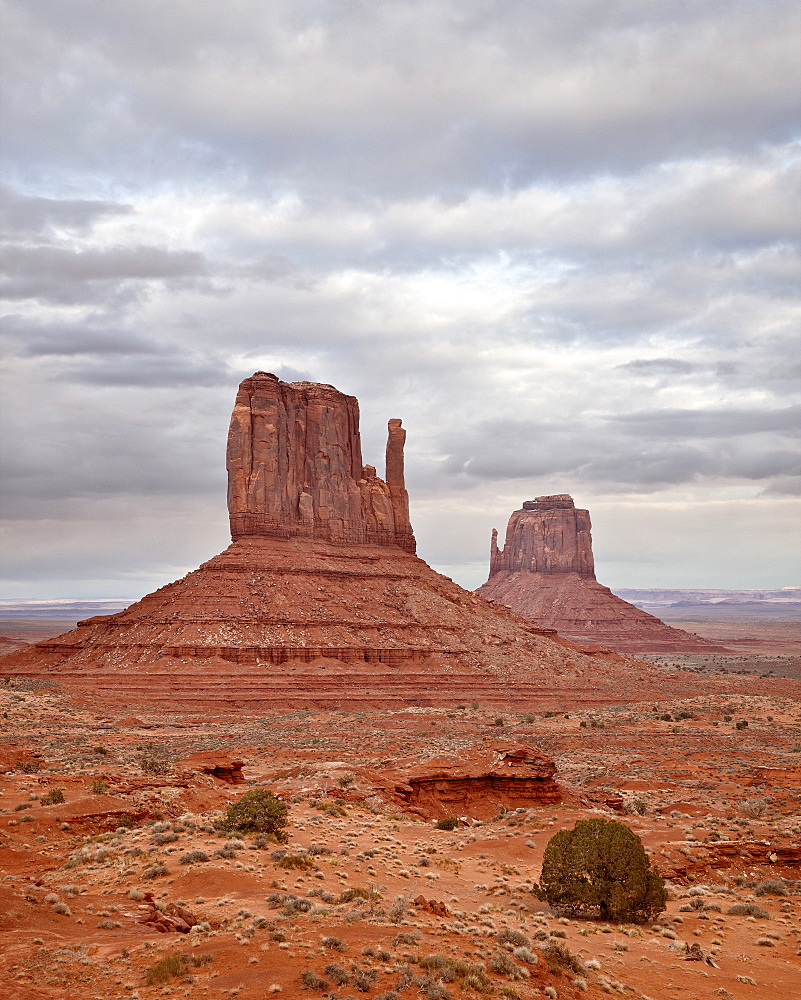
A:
(98, 787)
(154, 765)
(258, 811)
(53, 798)
(600, 867)
(448, 823)
(741, 724)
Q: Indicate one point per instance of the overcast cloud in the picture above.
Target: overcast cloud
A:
(560, 241)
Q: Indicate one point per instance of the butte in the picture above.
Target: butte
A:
(320, 600)
(546, 572)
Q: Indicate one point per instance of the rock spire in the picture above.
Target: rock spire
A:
(548, 535)
(546, 572)
(295, 469)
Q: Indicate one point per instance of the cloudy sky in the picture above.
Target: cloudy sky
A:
(559, 240)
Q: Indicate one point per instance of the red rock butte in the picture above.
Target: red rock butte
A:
(320, 600)
(546, 572)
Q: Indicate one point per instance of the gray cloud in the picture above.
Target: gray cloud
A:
(657, 366)
(558, 241)
(24, 215)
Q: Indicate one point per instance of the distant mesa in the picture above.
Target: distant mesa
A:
(546, 572)
(320, 600)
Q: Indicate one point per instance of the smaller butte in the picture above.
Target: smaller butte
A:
(546, 572)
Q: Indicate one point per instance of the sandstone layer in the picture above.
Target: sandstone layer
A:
(480, 783)
(546, 572)
(320, 599)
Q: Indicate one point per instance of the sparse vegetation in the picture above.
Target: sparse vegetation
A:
(447, 823)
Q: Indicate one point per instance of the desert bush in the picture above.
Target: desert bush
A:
(99, 787)
(316, 849)
(225, 852)
(600, 866)
(357, 892)
(411, 938)
(174, 964)
(503, 963)
(510, 936)
(748, 910)
(771, 886)
(193, 858)
(154, 765)
(160, 973)
(62, 909)
(397, 909)
(560, 959)
(636, 807)
(753, 808)
(258, 811)
(53, 798)
(448, 823)
(168, 837)
(296, 861)
(334, 944)
(23, 805)
(336, 973)
(155, 871)
(309, 980)
(363, 979)
(741, 724)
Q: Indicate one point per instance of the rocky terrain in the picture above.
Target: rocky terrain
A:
(114, 870)
(546, 572)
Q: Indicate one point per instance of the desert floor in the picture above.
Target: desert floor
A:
(717, 807)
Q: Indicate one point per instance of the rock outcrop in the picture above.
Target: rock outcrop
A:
(546, 571)
(320, 600)
(480, 782)
(295, 468)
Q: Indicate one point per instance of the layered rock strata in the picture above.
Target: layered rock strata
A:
(546, 571)
(319, 600)
(480, 782)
